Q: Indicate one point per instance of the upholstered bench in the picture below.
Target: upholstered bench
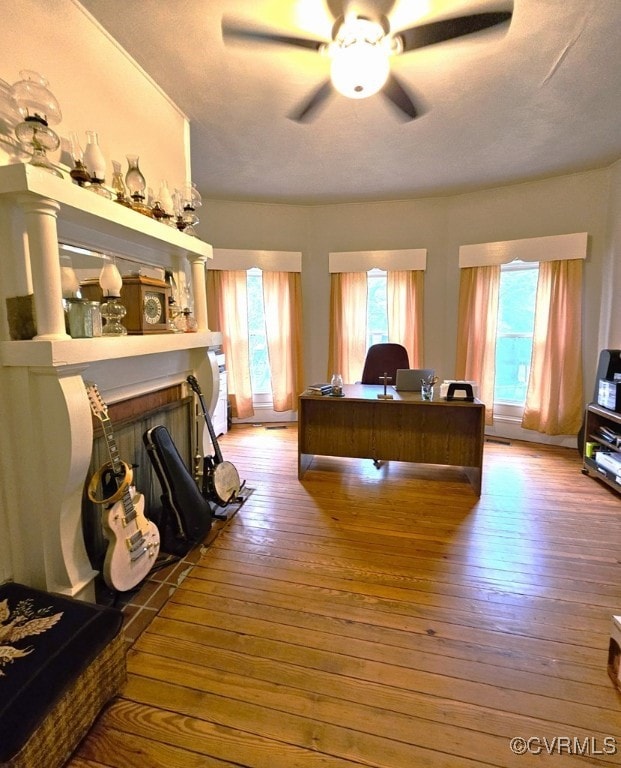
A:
(61, 660)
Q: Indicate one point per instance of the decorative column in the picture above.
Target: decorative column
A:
(40, 215)
(200, 291)
(51, 463)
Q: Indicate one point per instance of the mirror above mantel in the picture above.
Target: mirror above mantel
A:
(153, 298)
(45, 210)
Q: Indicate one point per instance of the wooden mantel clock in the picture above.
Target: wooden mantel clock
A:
(146, 302)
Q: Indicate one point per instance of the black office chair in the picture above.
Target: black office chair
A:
(384, 359)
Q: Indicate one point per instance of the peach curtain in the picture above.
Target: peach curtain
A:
(554, 399)
(282, 296)
(348, 325)
(405, 312)
(476, 331)
(228, 312)
(214, 291)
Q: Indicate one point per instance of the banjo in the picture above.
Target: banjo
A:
(220, 478)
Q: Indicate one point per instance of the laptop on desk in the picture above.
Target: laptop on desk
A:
(409, 379)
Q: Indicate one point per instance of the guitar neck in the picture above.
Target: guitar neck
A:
(212, 434)
(117, 465)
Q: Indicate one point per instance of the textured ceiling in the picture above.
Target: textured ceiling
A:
(540, 98)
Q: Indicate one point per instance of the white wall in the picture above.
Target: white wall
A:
(98, 88)
(610, 313)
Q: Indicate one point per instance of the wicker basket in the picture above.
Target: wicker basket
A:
(69, 720)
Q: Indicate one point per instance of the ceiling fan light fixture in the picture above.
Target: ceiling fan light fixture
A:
(360, 58)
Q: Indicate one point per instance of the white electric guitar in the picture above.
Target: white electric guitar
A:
(133, 541)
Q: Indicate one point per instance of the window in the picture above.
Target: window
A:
(542, 278)
(514, 334)
(373, 306)
(255, 299)
(259, 361)
(377, 307)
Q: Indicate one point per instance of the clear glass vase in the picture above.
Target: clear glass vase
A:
(426, 390)
(337, 385)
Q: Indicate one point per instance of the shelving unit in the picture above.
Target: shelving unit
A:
(596, 417)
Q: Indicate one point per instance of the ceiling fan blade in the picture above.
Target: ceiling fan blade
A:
(449, 29)
(231, 29)
(308, 109)
(396, 93)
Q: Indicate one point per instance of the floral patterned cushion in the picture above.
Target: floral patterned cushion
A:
(46, 641)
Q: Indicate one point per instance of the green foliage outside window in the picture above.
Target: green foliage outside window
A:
(514, 335)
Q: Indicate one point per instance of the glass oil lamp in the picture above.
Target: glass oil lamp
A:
(178, 210)
(136, 184)
(112, 310)
(165, 197)
(40, 109)
(185, 322)
(190, 200)
(79, 173)
(96, 164)
(118, 185)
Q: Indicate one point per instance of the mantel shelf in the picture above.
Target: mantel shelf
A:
(58, 354)
(91, 221)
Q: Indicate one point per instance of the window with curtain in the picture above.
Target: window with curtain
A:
(376, 320)
(370, 304)
(361, 314)
(259, 314)
(487, 352)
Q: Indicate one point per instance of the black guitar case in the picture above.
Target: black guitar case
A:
(188, 515)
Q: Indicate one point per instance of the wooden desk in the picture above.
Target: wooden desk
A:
(406, 428)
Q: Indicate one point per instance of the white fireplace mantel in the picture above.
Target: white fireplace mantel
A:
(46, 435)
(64, 352)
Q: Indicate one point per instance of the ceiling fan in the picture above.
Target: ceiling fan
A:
(360, 51)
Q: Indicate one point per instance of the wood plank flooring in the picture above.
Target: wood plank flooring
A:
(384, 617)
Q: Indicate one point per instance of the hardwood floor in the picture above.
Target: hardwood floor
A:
(384, 618)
